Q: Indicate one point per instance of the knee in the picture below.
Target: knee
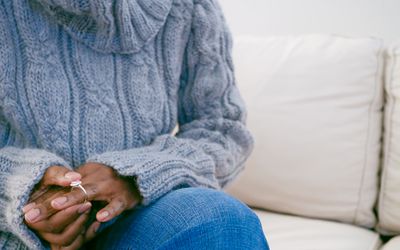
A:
(223, 217)
(204, 205)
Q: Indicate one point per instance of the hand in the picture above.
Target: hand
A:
(76, 235)
(66, 229)
(102, 183)
(63, 227)
(55, 177)
(78, 242)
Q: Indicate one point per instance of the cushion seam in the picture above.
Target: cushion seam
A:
(389, 133)
(377, 84)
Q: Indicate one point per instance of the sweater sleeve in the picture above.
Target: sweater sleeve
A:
(20, 170)
(212, 143)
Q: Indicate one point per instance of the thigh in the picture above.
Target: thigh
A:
(190, 218)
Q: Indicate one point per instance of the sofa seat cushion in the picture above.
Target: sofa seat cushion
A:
(393, 244)
(286, 232)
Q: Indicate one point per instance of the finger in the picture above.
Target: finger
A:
(92, 231)
(112, 210)
(39, 192)
(40, 196)
(67, 237)
(62, 220)
(59, 221)
(60, 176)
(76, 196)
(33, 215)
(28, 207)
(41, 210)
(77, 244)
(55, 247)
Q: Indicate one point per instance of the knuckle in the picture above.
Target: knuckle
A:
(77, 244)
(51, 228)
(91, 166)
(54, 171)
(47, 237)
(76, 196)
(117, 206)
(92, 189)
(52, 174)
(121, 203)
(51, 169)
(108, 172)
(67, 240)
(56, 240)
(46, 210)
(131, 204)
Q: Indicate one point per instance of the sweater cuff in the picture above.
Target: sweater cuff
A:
(10, 241)
(168, 163)
(26, 169)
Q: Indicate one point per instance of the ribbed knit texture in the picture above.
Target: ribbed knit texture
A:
(107, 81)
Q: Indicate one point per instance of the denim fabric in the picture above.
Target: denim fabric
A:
(190, 218)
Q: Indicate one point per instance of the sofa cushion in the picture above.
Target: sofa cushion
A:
(315, 109)
(389, 200)
(285, 232)
(393, 244)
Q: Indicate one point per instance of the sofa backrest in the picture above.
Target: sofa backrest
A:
(389, 199)
(315, 109)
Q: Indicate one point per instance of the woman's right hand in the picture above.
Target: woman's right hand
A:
(54, 179)
(58, 227)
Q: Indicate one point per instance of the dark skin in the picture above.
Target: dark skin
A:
(59, 216)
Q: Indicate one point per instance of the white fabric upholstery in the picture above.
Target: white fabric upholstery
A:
(393, 244)
(389, 200)
(315, 109)
(286, 232)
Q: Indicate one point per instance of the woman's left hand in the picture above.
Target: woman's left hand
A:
(102, 183)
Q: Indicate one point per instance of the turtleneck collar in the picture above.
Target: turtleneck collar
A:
(110, 26)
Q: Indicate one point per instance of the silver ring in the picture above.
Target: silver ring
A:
(77, 184)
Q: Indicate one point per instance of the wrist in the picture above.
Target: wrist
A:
(134, 187)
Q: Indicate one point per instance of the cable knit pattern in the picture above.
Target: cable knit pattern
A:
(108, 81)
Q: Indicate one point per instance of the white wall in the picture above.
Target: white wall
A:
(380, 18)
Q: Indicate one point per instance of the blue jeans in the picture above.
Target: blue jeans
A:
(189, 218)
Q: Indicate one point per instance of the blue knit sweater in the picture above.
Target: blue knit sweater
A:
(108, 81)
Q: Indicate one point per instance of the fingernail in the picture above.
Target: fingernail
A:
(103, 215)
(73, 176)
(84, 208)
(59, 201)
(32, 215)
(28, 207)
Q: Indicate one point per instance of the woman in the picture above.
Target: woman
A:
(90, 92)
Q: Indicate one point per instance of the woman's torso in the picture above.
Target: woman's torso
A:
(60, 95)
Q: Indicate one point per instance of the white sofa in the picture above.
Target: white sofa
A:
(325, 113)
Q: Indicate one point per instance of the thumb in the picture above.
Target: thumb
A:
(60, 176)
